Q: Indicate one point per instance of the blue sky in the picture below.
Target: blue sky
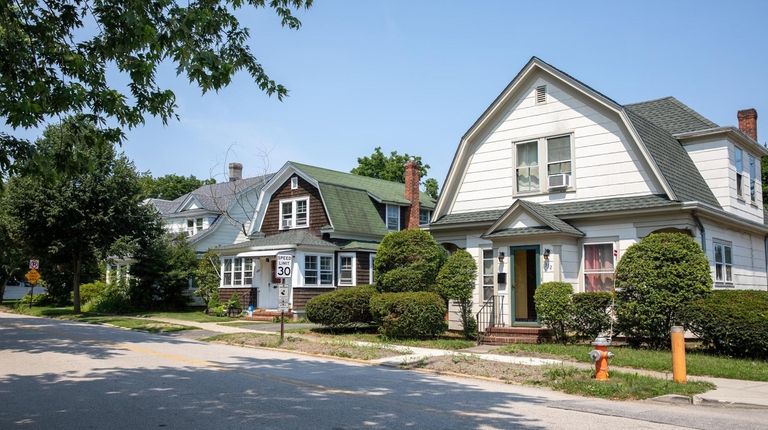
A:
(412, 76)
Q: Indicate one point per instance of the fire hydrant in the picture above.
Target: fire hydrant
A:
(600, 356)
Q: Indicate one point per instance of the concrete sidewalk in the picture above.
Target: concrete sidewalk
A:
(729, 392)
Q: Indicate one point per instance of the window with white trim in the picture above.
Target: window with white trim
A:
(738, 156)
(424, 216)
(393, 217)
(752, 179)
(318, 270)
(194, 226)
(294, 213)
(237, 271)
(294, 183)
(487, 274)
(723, 262)
(371, 260)
(599, 267)
(528, 167)
(559, 155)
(347, 269)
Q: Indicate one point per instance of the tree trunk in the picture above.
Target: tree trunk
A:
(76, 285)
(3, 281)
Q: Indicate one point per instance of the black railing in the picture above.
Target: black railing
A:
(489, 316)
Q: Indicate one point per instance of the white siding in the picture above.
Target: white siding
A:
(716, 161)
(749, 271)
(601, 150)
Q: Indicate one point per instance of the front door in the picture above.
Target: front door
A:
(525, 279)
(267, 287)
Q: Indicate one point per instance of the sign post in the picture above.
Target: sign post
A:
(284, 268)
(33, 276)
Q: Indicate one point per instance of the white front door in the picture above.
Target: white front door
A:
(267, 289)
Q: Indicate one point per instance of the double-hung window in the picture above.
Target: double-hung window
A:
(527, 167)
(487, 274)
(294, 213)
(393, 217)
(599, 267)
(194, 225)
(424, 216)
(347, 269)
(371, 260)
(318, 270)
(723, 263)
(238, 271)
(752, 179)
(559, 156)
(738, 158)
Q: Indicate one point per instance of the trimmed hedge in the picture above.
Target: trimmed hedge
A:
(342, 307)
(655, 279)
(409, 315)
(407, 260)
(91, 290)
(554, 307)
(591, 314)
(732, 322)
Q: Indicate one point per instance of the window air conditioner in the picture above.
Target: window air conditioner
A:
(561, 180)
(287, 223)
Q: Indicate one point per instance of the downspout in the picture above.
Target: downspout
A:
(765, 241)
(703, 234)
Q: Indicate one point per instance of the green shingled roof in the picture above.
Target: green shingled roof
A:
(288, 238)
(351, 210)
(386, 191)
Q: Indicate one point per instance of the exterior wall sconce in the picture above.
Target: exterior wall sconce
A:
(501, 257)
(501, 277)
(546, 258)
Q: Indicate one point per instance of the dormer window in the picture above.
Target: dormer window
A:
(294, 213)
(295, 183)
(393, 217)
(194, 226)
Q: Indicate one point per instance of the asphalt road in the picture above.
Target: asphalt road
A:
(63, 375)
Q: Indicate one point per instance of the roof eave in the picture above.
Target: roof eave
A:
(731, 132)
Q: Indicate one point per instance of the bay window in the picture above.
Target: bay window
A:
(318, 270)
(599, 267)
(237, 271)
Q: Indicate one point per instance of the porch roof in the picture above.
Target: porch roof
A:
(528, 231)
(286, 239)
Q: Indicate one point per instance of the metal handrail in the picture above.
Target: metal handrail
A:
(486, 318)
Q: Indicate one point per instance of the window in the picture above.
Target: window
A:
(527, 167)
(294, 213)
(393, 217)
(294, 183)
(318, 270)
(371, 259)
(599, 267)
(752, 178)
(347, 269)
(487, 274)
(237, 271)
(194, 225)
(723, 263)
(739, 161)
(424, 216)
(559, 155)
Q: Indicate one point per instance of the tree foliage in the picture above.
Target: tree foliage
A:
(655, 279)
(456, 281)
(554, 307)
(57, 56)
(392, 168)
(171, 186)
(75, 199)
(407, 260)
(166, 264)
(207, 278)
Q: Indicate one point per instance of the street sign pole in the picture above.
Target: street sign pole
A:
(282, 316)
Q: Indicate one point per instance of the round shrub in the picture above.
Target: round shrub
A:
(591, 314)
(89, 291)
(732, 322)
(112, 299)
(407, 260)
(456, 281)
(342, 307)
(655, 279)
(409, 315)
(554, 307)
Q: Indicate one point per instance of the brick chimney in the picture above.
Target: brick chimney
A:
(748, 122)
(412, 193)
(235, 172)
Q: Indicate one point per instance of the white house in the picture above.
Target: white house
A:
(555, 181)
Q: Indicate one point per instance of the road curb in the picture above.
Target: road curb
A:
(697, 400)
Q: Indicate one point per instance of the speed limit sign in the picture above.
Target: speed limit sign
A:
(284, 266)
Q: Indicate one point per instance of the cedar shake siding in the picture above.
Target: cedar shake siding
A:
(302, 295)
(246, 295)
(317, 215)
(363, 268)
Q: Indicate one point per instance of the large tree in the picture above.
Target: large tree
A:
(75, 199)
(171, 186)
(56, 55)
(392, 168)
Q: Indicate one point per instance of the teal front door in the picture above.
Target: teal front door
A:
(525, 280)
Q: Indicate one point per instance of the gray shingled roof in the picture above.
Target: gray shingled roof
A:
(522, 231)
(288, 238)
(671, 115)
(214, 198)
(550, 218)
(673, 161)
(566, 210)
(165, 207)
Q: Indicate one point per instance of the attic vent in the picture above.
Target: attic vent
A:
(541, 94)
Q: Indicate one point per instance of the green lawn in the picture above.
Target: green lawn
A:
(447, 341)
(192, 315)
(697, 363)
(147, 325)
(621, 386)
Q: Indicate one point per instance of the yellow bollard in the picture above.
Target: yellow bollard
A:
(678, 355)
